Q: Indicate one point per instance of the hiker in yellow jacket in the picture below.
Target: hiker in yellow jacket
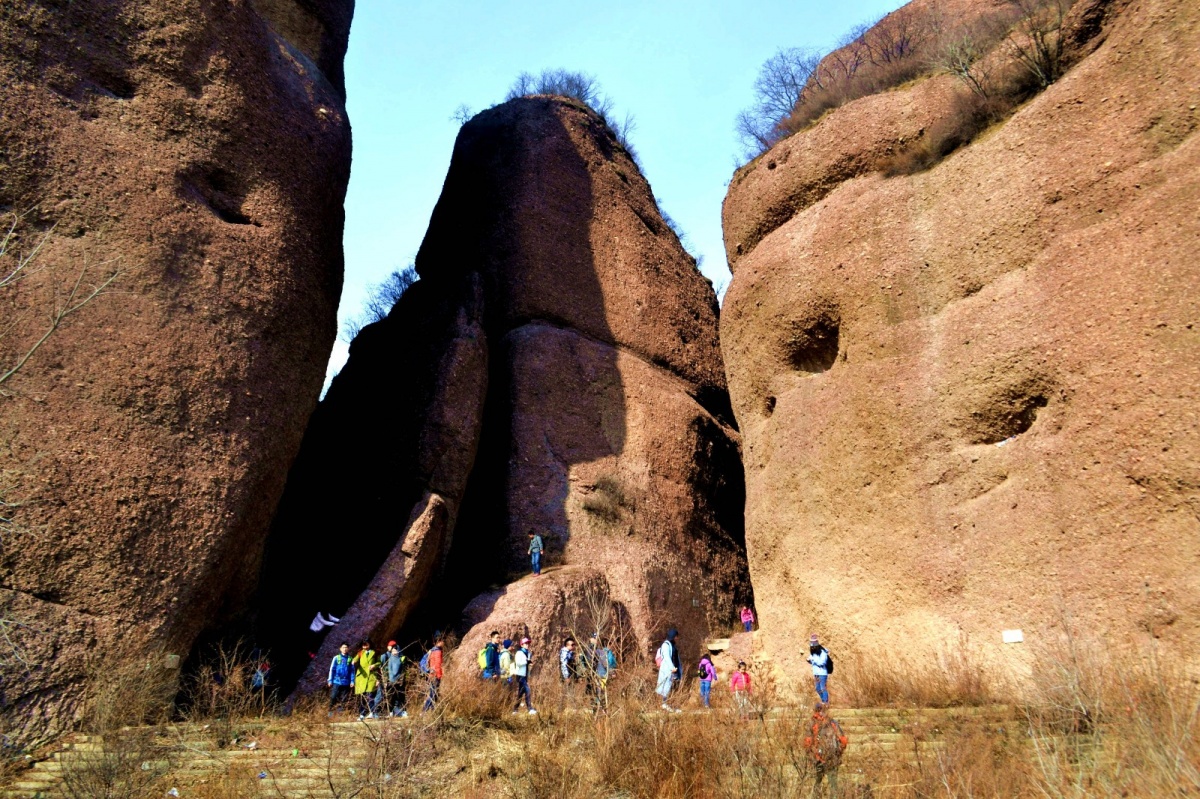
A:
(366, 677)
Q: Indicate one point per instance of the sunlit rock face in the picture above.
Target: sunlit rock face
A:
(592, 409)
(200, 151)
(968, 396)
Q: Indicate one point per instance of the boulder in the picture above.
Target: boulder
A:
(604, 422)
(199, 152)
(967, 395)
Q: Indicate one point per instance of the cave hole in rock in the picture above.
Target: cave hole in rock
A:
(1009, 415)
(813, 347)
(219, 190)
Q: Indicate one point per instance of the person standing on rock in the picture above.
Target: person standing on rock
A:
(341, 678)
(491, 657)
(535, 551)
(667, 660)
(431, 666)
(366, 678)
(506, 661)
(822, 666)
(521, 673)
(747, 618)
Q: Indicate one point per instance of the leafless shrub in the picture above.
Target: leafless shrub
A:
(122, 759)
(64, 301)
(607, 500)
(1035, 41)
(778, 89)
(381, 298)
(221, 692)
(582, 87)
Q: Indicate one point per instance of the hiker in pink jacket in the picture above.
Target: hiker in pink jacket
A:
(739, 683)
(747, 618)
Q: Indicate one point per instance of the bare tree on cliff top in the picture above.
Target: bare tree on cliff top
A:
(381, 298)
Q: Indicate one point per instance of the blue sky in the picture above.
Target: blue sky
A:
(682, 69)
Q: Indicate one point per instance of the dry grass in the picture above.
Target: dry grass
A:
(1097, 723)
(951, 679)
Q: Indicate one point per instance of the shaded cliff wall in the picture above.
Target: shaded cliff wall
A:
(200, 149)
(968, 396)
(603, 421)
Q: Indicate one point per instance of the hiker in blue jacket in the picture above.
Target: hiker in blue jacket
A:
(391, 695)
(341, 677)
(535, 551)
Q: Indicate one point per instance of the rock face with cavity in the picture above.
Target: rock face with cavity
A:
(968, 396)
(604, 424)
(201, 151)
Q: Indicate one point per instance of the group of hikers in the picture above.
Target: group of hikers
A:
(378, 682)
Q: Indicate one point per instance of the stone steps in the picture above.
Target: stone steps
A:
(328, 750)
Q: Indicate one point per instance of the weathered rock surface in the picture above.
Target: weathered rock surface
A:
(968, 396)
(201, 149)
(606, 424)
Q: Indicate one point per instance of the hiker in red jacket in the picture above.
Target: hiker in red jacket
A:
(433, 670)
(747, 618)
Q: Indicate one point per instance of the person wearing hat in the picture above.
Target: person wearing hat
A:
(521, 673)
(822, 665)
(668, 668)
(391, 696)
(506, 661)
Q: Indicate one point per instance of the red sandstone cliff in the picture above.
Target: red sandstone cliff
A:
(203, 150)
(597, 413)
(968, 396)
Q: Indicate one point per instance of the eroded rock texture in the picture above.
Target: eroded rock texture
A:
(605, 425)
(201, 149)
(968, 396)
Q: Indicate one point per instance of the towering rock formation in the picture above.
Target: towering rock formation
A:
(588, 404)
(968, 396)
(201, 150)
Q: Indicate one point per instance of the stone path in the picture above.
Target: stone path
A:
(333, 759)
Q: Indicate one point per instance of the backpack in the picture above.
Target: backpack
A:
(826, 747)
(612, 659)
(658, 659)
(828, 662)
(424, 664)
(482, 659)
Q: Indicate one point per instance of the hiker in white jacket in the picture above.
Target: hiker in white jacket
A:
(668, 668)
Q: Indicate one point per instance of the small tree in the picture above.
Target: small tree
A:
(381, 298)
(16, 267)
(1036, 40)
(578, 86)
(778, 89)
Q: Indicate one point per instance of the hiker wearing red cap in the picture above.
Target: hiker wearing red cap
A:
(391, 696)
(822, 665)
(520, 671)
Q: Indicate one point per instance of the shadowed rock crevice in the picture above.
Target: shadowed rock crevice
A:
(578, 433)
